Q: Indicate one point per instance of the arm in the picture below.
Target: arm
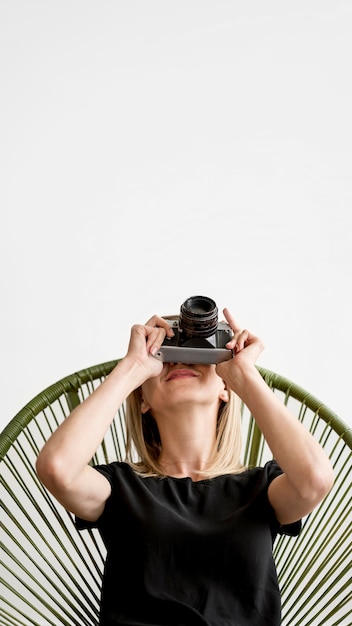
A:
(308, 475)
(62, 464)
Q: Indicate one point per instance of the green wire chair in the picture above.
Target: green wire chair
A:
(52, 573)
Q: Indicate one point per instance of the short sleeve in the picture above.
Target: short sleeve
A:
(107, 471)
(272, 470)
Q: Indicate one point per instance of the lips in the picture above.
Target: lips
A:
(181, 373)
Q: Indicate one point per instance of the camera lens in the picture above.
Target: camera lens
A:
(198, 317)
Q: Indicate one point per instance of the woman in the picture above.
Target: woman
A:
(188, 530)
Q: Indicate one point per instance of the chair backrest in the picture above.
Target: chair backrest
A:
(52, 573)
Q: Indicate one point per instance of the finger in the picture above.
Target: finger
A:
(154, 339)
(236, 329)
(240, 336)
(231, 321)
(150, 334)
(242, 340)
(160, 322)
(155, 336)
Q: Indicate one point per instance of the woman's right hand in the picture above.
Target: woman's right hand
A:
(145, 342)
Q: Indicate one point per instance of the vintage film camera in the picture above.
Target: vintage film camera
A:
(199, 338)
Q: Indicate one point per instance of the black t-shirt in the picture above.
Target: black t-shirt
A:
(185, 553)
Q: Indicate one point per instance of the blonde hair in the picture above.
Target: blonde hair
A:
(143, 439)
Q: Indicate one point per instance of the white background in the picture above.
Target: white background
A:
(154, 150)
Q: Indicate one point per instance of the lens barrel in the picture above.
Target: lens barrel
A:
(198, 317)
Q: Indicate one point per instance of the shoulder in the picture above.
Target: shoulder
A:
(115, 473)
(260, 476)
(248, 486)
(263, 480)
(117, 470)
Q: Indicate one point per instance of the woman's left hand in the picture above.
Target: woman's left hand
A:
(246, 347)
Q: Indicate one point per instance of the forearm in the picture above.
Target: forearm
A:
(299, 455)
(74, 443)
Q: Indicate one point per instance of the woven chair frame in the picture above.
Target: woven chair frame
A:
(51, 573)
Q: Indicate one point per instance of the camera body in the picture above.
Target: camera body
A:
(199, 338)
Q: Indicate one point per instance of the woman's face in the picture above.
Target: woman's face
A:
(179, 385)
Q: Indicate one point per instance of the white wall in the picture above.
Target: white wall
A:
(154, 150)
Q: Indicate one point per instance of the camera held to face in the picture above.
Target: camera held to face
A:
(199, 338)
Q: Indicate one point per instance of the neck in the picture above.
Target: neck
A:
(187, 443)
(183, 468)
